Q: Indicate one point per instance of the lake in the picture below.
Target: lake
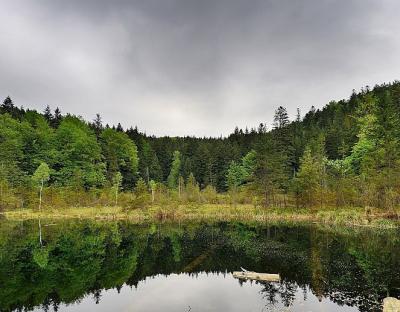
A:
(119, 266)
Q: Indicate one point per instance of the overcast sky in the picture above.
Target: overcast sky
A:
(193, 67)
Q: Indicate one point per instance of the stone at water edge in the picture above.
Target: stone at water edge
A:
(391, 304)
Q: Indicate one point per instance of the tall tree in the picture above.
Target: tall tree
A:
(120, 154)
(40, 176)
(77, 153)
(57, 118)
(47, 114)
(97, 125)
(281, 118)
(116, 185)
(175, 170)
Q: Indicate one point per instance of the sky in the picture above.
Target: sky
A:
(193, 67)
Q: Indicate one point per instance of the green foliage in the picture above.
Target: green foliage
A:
(175, 170)
(142, 194)
(329, 156)
(120, 154)
(192, 189)
(41, 257)
(116, 185)
(41, 175)
(306, 182)
(77, 154)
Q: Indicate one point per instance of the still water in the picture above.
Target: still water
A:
(95, 266)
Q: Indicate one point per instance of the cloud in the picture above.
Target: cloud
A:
(188, 67)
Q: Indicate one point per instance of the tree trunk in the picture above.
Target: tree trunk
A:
(40, 196)
(40, 233)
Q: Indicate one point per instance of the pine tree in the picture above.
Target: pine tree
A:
(281, 118)
(119, 128)
(47, 114)
(56, 118)
(97, 125)
(8, 105)
(175, 170)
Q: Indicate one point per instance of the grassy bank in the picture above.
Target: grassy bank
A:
(213, 212)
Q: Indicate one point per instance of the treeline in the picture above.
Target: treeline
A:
(346, 154)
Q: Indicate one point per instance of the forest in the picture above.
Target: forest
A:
(346, 154)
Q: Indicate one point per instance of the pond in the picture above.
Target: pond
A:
(103, 266)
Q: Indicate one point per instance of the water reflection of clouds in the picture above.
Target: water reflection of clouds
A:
(200, 292)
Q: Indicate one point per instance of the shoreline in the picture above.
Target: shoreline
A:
(245, 213)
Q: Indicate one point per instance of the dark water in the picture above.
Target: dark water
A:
(89, 266)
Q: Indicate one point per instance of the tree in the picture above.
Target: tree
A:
(120, 155)
(192, 188)
(116, 182)
(249, 165)
(234, 178)
(284, 143)
(11, 149)
(40, 176)
(9, 107)
(77, 150)
(149, 165)
(8, 104)
(119, 128)
(57, 118)
(153, 187)
(311, 180)
(281, 118)
(174, 174)
(47, 114)
(97, 125)
(270, 173)
(141, 192)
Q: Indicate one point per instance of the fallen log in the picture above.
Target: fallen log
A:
(264, 277)
(391, 304)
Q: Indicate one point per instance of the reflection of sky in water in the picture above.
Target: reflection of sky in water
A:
(204, 292)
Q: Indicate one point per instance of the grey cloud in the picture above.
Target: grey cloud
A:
(193, 67)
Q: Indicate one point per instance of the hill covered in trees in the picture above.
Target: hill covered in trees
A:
(345, 154)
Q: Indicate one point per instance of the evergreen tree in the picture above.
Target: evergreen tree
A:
(56, 118)
(119, 128)
(175, 170)
(281, 118)
(97, 125)
(270, 172)
(120, 155)
(192, 188)
(47, 114)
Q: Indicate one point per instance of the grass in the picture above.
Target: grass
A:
(217, 212)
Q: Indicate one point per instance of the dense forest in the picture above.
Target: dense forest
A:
(345, 154)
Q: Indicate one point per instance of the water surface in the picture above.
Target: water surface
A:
(87, 266)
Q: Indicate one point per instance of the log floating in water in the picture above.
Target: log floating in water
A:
(391, 304)
(265, 277)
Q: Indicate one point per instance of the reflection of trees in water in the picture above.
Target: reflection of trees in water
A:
(286, 291)
(83, 258)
